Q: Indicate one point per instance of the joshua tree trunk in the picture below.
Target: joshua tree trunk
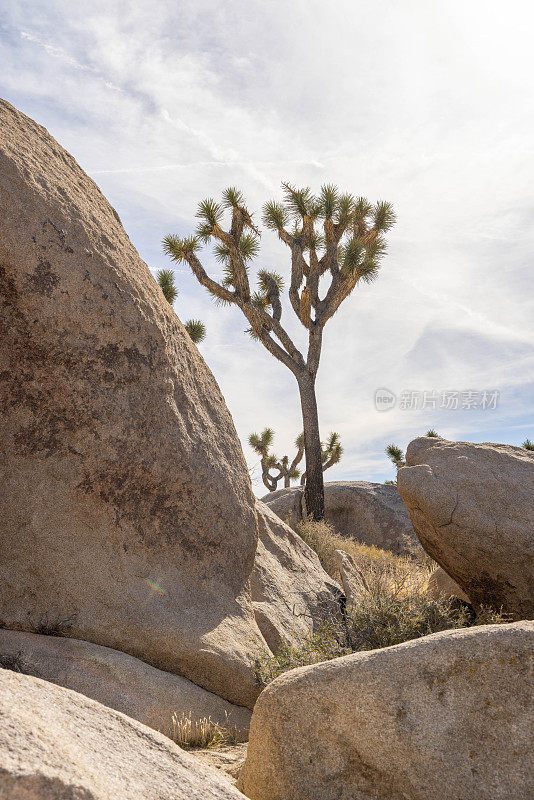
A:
(314, 488)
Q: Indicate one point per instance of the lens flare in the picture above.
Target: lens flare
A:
(155, 586)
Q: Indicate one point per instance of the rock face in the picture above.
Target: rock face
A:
(56, 744)
(287, 503)
(372, 513)
(291, 592)
(440, 584)
(126, 504)
(227, 760)
(445, 717)
(352, 578)
(119, 681)
(472, 506)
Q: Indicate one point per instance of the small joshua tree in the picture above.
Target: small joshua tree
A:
(396, 455)
(262, 443)
(528, 445)
(331, 453)
(194, 327)
(345, 251)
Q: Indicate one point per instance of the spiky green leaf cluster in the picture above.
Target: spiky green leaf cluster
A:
(384, 216)
(275, 215)
(259, 300)
(432, 434)
(165, 278)
(210, 212)
(362, 210)
(315, 241)
(351, 255)
(261, 442)
(232, 198)
(355, 258)
(299, 441)
(178, 249)
(300, 202)
(344, 209)
(332, 450)
(394, 453)
(196, 330)
(328, 201)
(528, 445)
(249, 247)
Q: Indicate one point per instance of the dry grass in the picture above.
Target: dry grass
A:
(203, 733)
(393, 608)
(373, 561)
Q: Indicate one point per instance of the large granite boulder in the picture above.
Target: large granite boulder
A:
(291, 592)
(440, 585)
(472, 506)
(56, 744)
(445, 717)
(119, 681)
(286, 503)
(126, 506)
(372, 513)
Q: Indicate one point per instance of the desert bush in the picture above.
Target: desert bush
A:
(392, 608)
(55, 626)
(203, 733)
(380, 620)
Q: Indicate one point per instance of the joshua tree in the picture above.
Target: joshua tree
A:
(194, 327)
(347, 250)
(262, 444)
(331, 453)
(528, 445)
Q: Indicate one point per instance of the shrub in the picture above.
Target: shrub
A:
(202, 733)
(55, 626)
(15, 663)
(392, 608)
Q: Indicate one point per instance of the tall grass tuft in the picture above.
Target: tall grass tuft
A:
(202, 733)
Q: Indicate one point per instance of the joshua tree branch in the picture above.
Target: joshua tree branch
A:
(340, 288)
(203, 278)
(237, 263)
(298, 458)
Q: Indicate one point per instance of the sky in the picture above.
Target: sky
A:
(427, 104)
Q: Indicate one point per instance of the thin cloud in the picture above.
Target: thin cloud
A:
(428, 105)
